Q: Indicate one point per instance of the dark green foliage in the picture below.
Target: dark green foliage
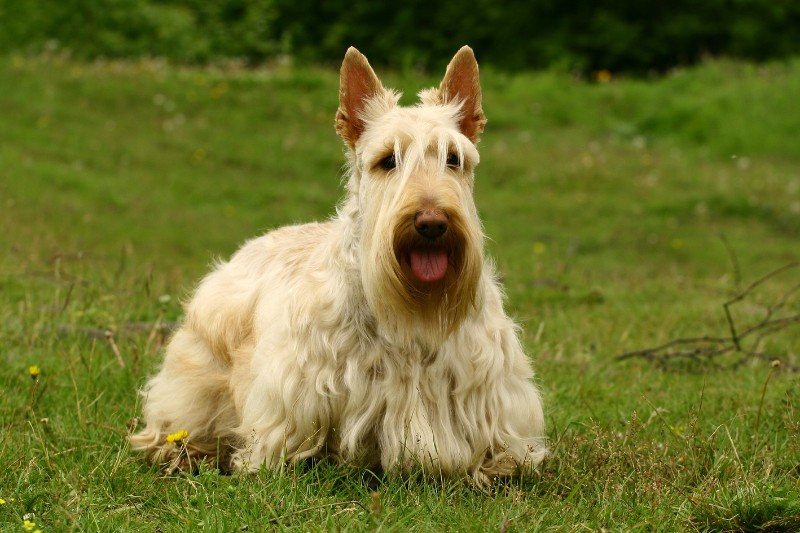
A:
(618, 35)
(181, 30)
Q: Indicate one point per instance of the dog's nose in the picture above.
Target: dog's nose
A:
(431, 224)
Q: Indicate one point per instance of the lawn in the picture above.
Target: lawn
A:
(622, 216)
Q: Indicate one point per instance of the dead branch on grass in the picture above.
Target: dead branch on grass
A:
(158, 327)
(742, 341)
(157, 333)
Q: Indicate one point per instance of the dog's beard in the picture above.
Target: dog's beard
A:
(422, 290)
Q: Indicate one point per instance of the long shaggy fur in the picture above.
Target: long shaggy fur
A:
(318, 339)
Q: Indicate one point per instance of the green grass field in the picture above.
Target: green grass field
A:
(622, 215)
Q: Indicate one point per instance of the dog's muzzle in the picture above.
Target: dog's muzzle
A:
(429, 260)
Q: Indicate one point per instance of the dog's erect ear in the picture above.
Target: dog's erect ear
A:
(357, 84)
(462, 83)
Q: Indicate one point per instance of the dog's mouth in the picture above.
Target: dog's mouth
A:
(428, 264)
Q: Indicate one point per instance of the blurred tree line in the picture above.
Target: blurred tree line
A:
(618, 35)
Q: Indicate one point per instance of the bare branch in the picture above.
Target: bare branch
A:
(705, 349)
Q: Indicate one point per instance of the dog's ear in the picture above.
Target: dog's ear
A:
(462, 83)
(357, 84)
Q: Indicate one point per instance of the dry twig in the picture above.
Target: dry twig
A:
(742, 341)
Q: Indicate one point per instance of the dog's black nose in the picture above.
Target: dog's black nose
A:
(431, 224)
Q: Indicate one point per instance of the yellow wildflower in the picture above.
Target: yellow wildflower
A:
(28, 525)
(178, 436)
(34, 371)
(219, 90)
(603, 76)
(2, 501)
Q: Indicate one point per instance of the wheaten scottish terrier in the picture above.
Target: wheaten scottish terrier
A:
(378, 337)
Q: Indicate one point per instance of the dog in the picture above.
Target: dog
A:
(377, 338)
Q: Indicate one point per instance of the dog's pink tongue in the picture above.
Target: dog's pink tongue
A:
(428, 264)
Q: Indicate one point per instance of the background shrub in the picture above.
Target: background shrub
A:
(619, 35)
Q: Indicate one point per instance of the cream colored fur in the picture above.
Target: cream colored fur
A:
(316, 340)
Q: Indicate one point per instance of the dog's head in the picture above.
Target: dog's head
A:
(411, 172)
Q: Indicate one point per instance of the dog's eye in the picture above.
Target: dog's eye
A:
(388, 163)
(453, 161)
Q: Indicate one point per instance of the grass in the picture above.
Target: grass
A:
(621, 215)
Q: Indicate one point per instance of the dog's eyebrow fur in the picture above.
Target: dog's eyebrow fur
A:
(411, 151)
(416, 133)
(442, 142)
